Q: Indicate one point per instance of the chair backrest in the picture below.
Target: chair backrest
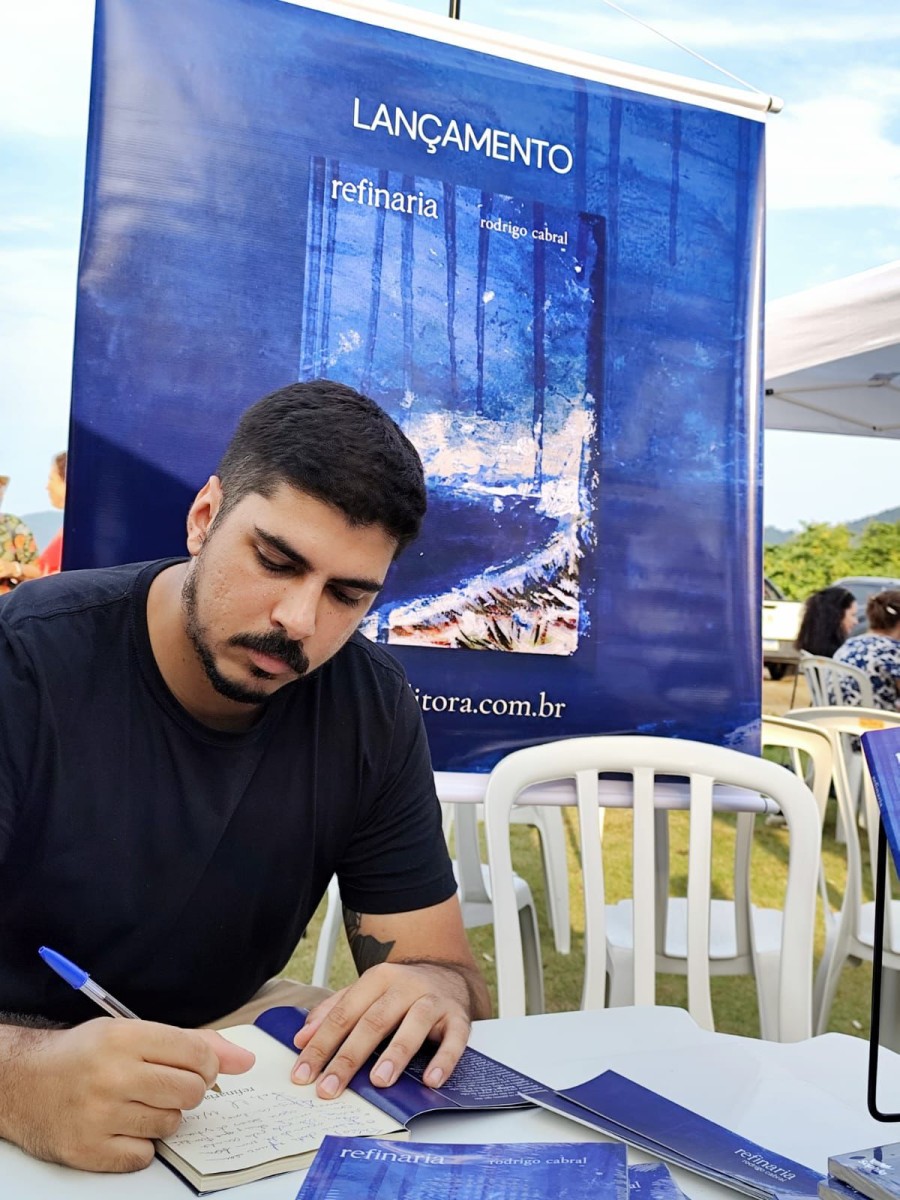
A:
(831, 682)
(843, 724)
(643, 758)
(813, 760)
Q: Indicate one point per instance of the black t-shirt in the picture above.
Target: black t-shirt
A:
(177, 864)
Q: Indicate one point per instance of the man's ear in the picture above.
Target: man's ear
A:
(202, 513)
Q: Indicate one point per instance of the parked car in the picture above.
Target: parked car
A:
(780, 624)
(862, 587)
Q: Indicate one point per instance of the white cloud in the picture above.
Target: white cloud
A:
(37, 314)
(606, 32)
(45, 67)
(836, 151)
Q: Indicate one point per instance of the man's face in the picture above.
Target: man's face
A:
(276, 587)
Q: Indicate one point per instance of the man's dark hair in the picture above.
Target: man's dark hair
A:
(820, 629)
(334, 444)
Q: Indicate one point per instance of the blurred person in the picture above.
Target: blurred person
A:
(828, 618)
(18, 549)
(877, 652)
(51, 559)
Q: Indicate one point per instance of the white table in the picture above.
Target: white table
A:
(805, 1100)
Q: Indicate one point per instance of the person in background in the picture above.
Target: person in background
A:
(18, 549)
(877, 652)
(51, 559)
(828, 618)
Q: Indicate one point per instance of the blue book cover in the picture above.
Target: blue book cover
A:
(874, 1172)
(643, 1118)
(653, 1181)
(832, 1189)
(348, 1168)
(882, 750)
(478, 1082)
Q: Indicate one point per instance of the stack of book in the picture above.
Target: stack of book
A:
(350, 1168)
(871, 1174)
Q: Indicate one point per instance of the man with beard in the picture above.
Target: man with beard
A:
(188, 751)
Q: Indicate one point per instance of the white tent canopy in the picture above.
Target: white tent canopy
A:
(833, 357)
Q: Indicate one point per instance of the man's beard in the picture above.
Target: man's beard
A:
(273, 643)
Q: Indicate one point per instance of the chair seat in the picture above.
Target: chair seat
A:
(722, 933)
(865, 931)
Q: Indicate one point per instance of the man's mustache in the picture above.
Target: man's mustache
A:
(277, 645)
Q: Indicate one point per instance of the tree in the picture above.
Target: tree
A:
(820, 554)
(810, 560)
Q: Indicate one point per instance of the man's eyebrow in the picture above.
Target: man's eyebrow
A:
(285, 548)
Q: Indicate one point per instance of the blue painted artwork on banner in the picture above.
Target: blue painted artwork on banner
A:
(545, 280)
(489, 379)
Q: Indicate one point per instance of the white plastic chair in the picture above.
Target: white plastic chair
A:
(850, 932)
(466, 787)
(474, 882)
(548, 821)
(831, 682)
(745, 939)
(644, 758)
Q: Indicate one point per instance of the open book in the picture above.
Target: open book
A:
(263, 1124)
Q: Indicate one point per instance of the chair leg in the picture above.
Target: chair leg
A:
(826, 982)
(531, 961)
(889, 1035)
(767, 970)
(553, 853)
(328, 936)
(620, 975)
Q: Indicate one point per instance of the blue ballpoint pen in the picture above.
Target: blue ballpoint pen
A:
(82, 982)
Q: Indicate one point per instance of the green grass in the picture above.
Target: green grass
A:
(734, 997)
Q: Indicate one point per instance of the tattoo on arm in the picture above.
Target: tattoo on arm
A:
(367, 951)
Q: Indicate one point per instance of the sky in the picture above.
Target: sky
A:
(833, 203)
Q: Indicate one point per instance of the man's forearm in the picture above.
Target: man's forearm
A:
(20, 1038)
(28, 1021)
(478, 1000)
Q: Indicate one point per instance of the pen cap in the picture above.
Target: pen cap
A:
(67, 970)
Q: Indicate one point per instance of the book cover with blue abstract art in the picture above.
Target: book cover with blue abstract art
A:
(474, 319)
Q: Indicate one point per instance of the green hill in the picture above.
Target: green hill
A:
(772, 536)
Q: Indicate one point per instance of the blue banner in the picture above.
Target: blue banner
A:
(545, 279)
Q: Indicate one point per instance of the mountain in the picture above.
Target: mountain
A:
(890, 516)
(774, 537)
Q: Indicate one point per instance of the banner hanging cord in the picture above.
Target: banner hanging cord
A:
(681, 46)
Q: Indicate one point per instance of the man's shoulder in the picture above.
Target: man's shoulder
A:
(360, 653)
(72, 592)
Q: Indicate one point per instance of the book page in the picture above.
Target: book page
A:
(261, 1116)
(246, 1126)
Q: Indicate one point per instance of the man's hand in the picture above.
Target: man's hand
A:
(414, 1002)
(96, 1096)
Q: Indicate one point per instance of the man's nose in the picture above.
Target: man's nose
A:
(297, 608)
